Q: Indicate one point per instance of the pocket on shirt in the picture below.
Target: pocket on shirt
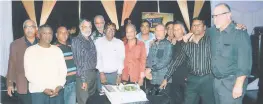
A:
(227, 50)
(160, 53)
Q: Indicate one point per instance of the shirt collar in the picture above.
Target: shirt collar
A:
(151, 36)
(29, 44)
(228, 28)
(60, 44)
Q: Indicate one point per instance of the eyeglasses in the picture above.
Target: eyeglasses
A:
(214, 16)
(30, 26)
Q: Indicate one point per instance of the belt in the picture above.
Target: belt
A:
(92, 70)
(222, 76)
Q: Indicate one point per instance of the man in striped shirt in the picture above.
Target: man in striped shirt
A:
(70, 86)
(198, 57)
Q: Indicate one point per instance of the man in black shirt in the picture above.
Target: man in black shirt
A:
(197, 55)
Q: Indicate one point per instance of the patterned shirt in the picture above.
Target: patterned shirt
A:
(159, 57)
(68, 55)
(85, 55)
(197, 56)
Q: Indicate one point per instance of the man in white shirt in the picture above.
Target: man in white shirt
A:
(45, 69)
(111, 54)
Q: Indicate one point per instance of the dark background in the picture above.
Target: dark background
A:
(65, 13)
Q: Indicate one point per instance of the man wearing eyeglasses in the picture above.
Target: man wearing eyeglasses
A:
(16, 72)
(231, 57)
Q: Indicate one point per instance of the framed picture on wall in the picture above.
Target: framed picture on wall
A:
(155, 18)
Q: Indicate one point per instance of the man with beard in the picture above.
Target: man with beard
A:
(99, 23)
(85, 58)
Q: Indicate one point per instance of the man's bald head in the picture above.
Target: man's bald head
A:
(222, 15)
(160, 31)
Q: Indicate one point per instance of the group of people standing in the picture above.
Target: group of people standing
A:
(208, 65)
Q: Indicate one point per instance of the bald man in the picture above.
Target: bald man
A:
(70, 86)
(231, 57)
(160, 55)
(16, 73)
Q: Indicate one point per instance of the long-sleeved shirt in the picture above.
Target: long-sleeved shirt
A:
(111, 55)
(182, 71)
(68, 55)
(231, 52)
(134, 62)
(16, 72)
(158, 59)
(197, 56)
(84, 54)
(146, 42)
(44, 68)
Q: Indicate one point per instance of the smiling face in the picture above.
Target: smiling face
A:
(160, 32)
(198, 27)
(221, 16)
(85, 28)
(110, 31)
(46, 35)
(99, 23)
(145, 28)
(170, 30)
(62, 34)
(130, 32)
(30, 28)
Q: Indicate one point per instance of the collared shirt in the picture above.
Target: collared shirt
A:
(231, 52)
(85, 55)
(16, 72)
(29, 43)
(146, 42)
(182, 71)
(197, 56)
(45, 68)
(134, 63)
(111, 55)
(96, 35)
(68, 55)
(158, 59)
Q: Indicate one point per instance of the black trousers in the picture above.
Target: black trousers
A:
(24, 98)
(164, 97)
(260, 91)
(178, 85)
(199, 87)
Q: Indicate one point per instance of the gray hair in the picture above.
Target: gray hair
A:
(82, 21)
(181, 24)
(99, 16)
(131, 25)
(28, 20)
(160, 24)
